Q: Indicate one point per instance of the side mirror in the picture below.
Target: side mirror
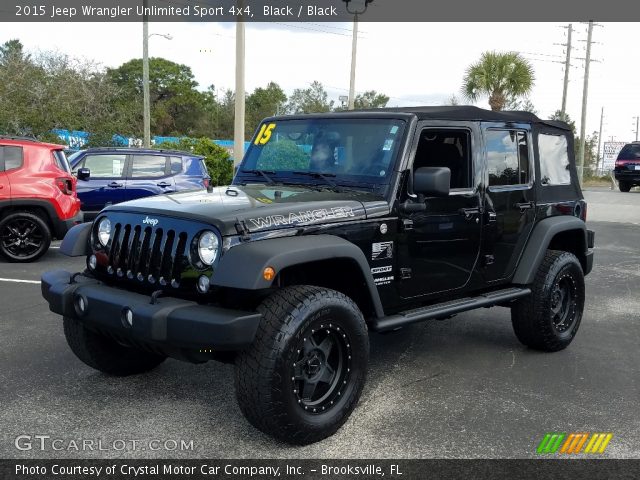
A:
(84, 174)
(432, 181)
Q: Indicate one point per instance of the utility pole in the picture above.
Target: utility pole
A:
(585, 94)
(354, 49)
(637, 125)
(600, 138)
(567, 65)
(145, 77)
(238, 127)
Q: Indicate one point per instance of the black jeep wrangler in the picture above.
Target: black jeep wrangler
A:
(335, 225)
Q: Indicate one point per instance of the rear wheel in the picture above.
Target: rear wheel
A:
(624, 186)
(106, 355)
(24, 237)
(549, 318)
(303, 376)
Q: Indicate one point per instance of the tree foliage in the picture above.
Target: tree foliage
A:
(217, 159)
(314, 99)
(370, 99)
(499, 76)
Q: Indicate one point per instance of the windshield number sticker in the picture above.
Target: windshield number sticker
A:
(264, 135)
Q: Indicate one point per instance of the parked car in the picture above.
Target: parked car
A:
(107, 176)
(335, 225)
(38, 199)
(627, 167)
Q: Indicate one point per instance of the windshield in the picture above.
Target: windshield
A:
(349, 151)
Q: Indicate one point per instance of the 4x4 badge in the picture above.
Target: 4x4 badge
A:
(150, 221)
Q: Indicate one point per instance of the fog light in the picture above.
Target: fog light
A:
(93, 262)
(203, 284)
(127, 317)
(81, 305)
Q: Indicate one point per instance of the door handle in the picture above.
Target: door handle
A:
(524, 206)
(163, 184)
(469, 213)
(115, 185)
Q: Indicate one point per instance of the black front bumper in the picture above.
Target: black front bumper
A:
(170, 324)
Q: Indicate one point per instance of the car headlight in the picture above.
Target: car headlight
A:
(208, 246)
(104, 231)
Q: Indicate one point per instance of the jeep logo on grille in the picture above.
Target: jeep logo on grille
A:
(150, 221)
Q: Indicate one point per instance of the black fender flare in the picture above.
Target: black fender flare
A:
(76, 242)
(539, 242)
(242, 266)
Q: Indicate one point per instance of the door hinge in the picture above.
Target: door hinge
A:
(407, 224)
(489, 260)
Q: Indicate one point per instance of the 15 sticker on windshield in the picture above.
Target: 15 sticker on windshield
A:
(264, 135)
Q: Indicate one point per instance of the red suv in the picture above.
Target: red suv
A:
(38, 198)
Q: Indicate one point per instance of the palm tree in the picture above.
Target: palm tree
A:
(500, 76)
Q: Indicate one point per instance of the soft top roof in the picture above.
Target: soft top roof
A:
(471, 113)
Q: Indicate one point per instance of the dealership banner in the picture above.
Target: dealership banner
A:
(319, 469)
(312, 10)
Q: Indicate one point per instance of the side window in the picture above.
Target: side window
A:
(176, 165)
(105, 166)
(10, 157)
(507, 157)
(446, 148)
(554, 160)
(148, 166)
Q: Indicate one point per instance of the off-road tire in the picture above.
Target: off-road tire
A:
(536, 318)
(294, 320)
(106, 355)
(40, 233)
(624, 186)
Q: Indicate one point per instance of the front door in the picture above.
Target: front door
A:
(510, 200)
(438, 248)
(106, 181)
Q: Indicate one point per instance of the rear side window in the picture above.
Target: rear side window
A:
(630, 151)
(10, 157)
(554, 160)
(105, 166)
(61, 160)
(149, 166)
(176, 165)
(507, 157)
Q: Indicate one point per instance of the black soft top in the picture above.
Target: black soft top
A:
(471, 113)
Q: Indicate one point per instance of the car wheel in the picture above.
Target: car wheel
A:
(304, 373)
(106, 355)
(549, 318)
(24, 237)
(624, 186)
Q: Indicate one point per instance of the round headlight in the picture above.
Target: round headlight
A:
(104, 231)
(208, 247)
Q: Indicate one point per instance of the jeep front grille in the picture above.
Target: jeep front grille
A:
(147, 254)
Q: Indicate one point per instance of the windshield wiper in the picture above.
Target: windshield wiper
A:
(323, 176)
(264, 173)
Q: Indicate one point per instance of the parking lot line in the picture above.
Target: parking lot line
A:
(17, 280)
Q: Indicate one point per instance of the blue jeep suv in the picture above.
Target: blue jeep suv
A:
(114, 175)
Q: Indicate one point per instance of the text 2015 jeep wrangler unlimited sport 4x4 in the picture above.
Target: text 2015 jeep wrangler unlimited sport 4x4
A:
(334, 225)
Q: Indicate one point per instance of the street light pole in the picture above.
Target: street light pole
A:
(354, 48)
(238, 127)
(145, 78)
(585, 95)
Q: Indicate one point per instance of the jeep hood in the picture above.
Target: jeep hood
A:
(259, 207)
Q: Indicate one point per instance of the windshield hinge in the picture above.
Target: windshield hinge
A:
(241, 228)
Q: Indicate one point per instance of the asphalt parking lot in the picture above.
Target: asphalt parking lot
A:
(460, 388)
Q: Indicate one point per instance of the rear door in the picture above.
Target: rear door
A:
(106, 183)
(510, 197)
(149, 175)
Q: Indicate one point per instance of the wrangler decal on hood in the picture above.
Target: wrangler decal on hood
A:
(302, 217)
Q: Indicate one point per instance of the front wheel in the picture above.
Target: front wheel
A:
(304, 373)
(549, 318)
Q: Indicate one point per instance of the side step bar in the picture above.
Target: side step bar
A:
(445, 309)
